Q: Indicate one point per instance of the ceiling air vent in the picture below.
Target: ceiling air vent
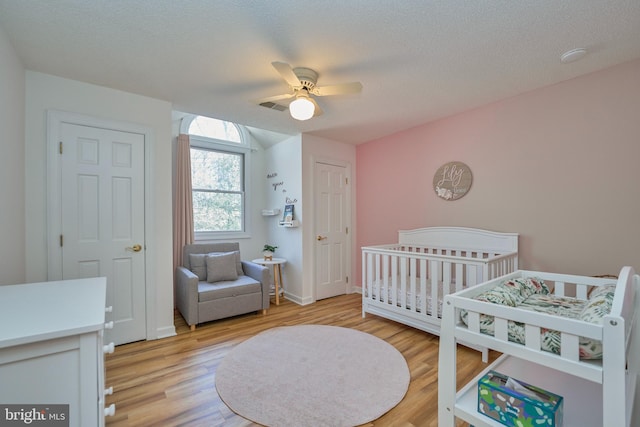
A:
(273, 106)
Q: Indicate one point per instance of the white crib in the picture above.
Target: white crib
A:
(596, 392)
(406, 281)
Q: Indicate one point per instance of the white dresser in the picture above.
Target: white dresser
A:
(51, 347)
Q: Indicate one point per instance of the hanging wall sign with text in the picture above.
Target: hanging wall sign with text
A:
(452, 180)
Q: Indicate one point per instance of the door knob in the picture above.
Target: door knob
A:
(134, 248)
(320, 238)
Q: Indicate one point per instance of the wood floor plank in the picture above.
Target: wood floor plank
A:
(171, 382)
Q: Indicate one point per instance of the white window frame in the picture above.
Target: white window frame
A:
(243, 148)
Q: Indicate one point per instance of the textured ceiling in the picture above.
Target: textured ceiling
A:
(418, 60)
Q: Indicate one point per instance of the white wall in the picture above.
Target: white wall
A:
(251, 247)
(45, 92)
(284, 159)
(12, 172)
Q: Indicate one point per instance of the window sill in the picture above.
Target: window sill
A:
(213, 236)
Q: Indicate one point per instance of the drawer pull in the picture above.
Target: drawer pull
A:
(109, 325)
(108, 391)
(109, 348)
(110, 411)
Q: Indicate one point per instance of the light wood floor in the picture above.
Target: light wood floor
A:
(170, 382)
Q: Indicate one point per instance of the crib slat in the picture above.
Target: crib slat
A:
(403, 281)
(385, 280)
(501, 329)
(569, 346)
(392, 290)
(482, 272)
(413, 274)
(433, 303)
(472, 275)
(532, 337)
(447, 281)
(368, 276)
(435, 275)
(371, 272)
(423, 286)
(581, 292)
(559, 289)
(473, 321)
(459, 276)
(446, 277)
(377, 275)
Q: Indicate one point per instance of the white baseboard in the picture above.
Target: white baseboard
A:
(166, 332)
(298, 300)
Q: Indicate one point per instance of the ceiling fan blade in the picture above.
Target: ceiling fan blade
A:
(339, 89)
(275, 98)
(287, 73)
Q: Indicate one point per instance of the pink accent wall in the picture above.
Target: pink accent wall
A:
(559, 165)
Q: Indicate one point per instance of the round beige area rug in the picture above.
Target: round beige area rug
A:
(312, 375)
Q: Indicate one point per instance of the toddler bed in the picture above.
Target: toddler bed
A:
(575, 336)
(406, 281)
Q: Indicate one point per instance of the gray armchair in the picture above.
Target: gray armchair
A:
(219, 285)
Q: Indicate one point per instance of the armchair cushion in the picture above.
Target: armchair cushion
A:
(221, 267)
(243, 285)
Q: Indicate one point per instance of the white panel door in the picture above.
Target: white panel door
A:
(332, 242)
(102, 210)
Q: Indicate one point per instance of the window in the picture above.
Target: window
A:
(218, 190)
(214, 128)
(219, 164)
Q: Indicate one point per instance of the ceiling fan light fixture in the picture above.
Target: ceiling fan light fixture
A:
(301, 108)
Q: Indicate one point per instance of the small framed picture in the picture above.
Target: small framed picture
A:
(288, 213)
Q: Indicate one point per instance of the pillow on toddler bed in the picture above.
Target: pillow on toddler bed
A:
(513, 292)
(533, 294)
(598, 306)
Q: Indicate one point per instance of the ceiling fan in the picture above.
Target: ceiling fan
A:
(302, 82)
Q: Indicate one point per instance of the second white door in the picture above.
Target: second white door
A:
(331, 224)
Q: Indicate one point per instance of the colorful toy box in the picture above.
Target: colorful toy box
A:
(514, 403)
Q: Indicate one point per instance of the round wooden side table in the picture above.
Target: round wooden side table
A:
(277, 264)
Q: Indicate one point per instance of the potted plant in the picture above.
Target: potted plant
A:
(267, 251)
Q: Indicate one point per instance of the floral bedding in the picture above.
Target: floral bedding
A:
(533, 294)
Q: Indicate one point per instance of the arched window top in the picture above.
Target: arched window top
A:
(213, 128)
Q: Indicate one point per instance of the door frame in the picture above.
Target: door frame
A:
(349, 196)
(55, 118)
